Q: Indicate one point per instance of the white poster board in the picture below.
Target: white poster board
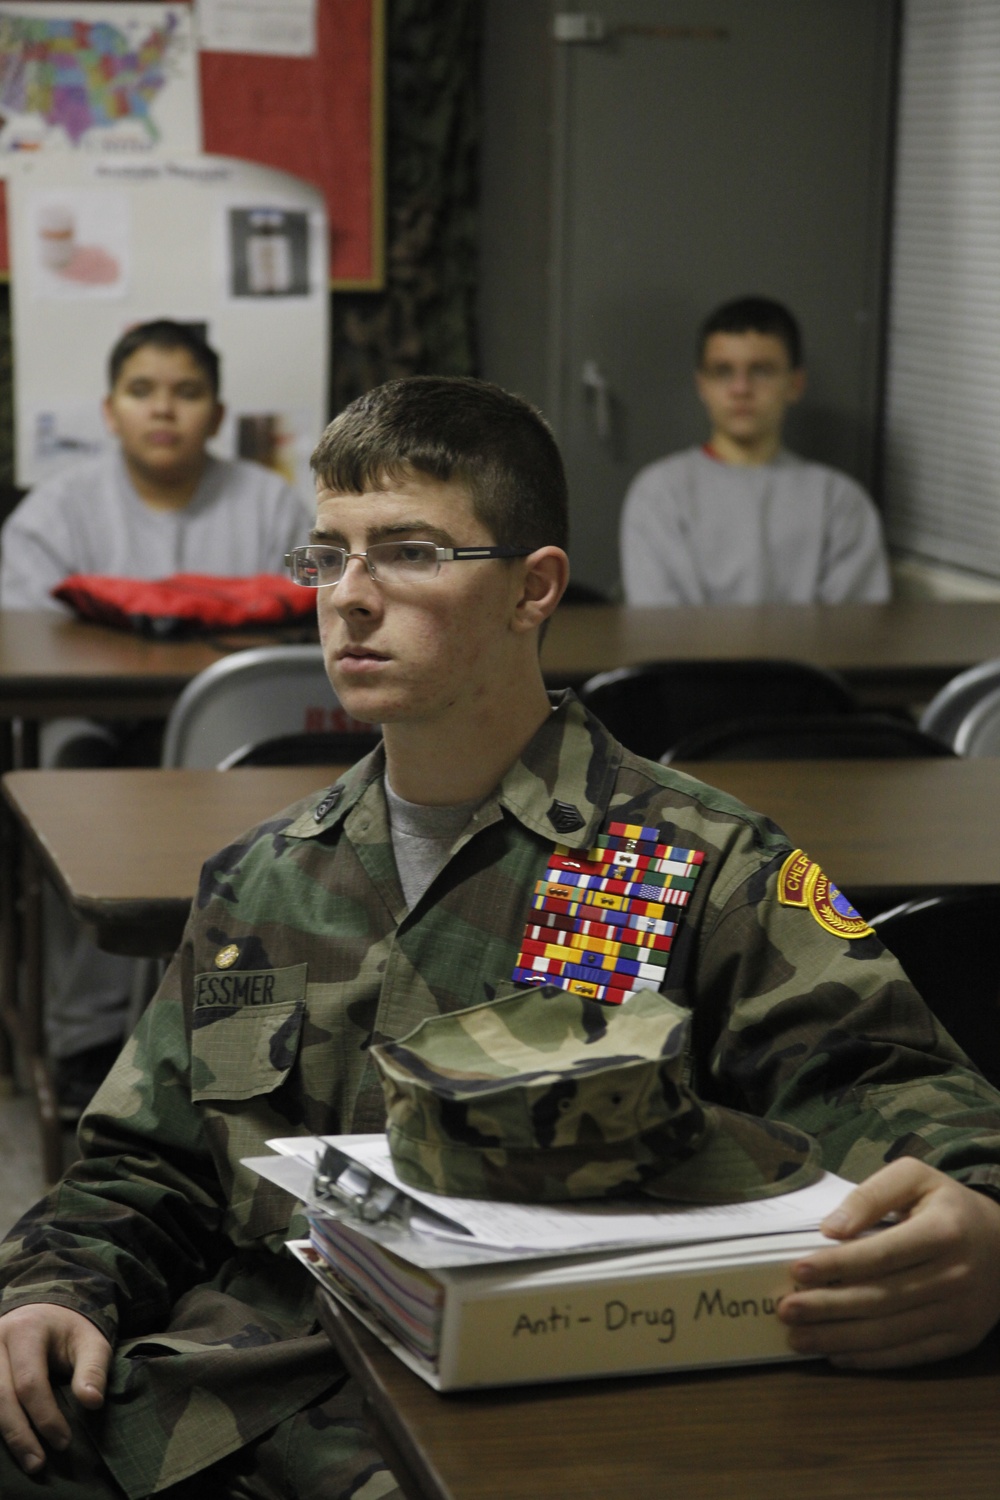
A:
(98, 76)
(98, 245)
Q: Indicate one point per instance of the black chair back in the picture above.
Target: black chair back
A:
(947, 945)
(323, 748)
(650, 707)
(860, 736)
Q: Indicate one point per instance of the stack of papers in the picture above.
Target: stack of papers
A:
(469, 1292)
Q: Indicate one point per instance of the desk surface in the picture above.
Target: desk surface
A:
(915, 646)
(50, 664)
(125, 846)
(790, 1432)
(45, 656)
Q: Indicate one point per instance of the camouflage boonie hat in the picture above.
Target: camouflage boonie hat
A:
(546, 1096)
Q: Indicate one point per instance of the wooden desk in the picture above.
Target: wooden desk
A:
(54, 666)
(124, 848)
(782, 1433)
(879, 827)
(890, 653)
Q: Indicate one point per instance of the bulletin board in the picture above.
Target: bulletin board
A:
(319, 118)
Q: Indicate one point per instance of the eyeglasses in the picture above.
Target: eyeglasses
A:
(321, 567)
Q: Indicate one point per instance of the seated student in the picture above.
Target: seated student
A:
(153, 1327)
(741, 520)
(158, 504)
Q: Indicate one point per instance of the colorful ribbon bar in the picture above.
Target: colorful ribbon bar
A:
(651, 886)
(609, 994)
(582, 962)
(622, 939)
(635, 839)
(576, 899)
(609, 925)
(616, 861)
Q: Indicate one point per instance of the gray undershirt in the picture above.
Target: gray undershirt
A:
(422, 839)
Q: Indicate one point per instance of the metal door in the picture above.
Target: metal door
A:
(704, 149)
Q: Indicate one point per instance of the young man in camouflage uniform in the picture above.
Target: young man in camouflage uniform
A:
(155, 1337)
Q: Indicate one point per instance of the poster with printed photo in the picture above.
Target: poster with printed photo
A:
(101, 244)
(79, 244)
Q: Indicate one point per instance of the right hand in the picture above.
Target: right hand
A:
(39, 1342)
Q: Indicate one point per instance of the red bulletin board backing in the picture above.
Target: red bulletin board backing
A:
(320, 118)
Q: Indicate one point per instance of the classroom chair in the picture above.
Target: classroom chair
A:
(251, 696)
(860, 736)
(949, 707)
(651, 706)
(322, 748)
(978, 732)
(947, 945)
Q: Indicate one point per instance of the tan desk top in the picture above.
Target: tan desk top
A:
(879, 824)
(782, 1433)
(910, 646)
(125, 846)
(51, 665)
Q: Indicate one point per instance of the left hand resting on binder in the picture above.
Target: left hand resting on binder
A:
(925, 1288)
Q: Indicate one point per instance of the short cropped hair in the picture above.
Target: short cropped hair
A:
(454, 428)
(164, 333)
(754, 315)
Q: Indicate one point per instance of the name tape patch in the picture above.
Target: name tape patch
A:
(245, 988)
(801, 882)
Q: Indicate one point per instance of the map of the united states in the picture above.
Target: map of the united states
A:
(79, 76)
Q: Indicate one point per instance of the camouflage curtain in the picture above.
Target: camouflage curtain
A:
(424, 321)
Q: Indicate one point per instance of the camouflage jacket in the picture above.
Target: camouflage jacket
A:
(300, 952)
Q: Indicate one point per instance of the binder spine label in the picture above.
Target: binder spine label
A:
(721, 1316)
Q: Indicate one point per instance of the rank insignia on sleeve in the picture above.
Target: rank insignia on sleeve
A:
(801, 882)
(602, 920)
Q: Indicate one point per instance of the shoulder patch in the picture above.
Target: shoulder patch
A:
(801, 882)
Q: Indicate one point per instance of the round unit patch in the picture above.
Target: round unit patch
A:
(801, 882)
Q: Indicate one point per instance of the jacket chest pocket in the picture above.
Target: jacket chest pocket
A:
(247, 1026)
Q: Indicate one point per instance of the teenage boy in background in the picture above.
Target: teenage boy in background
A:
(741, 520)
(153, 1286)
(159, 503)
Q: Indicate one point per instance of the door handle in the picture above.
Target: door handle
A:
(599, 394)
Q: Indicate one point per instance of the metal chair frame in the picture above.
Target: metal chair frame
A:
(978, 733)
(949, 707)
(249, 696)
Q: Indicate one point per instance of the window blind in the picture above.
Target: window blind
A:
(942, 448)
